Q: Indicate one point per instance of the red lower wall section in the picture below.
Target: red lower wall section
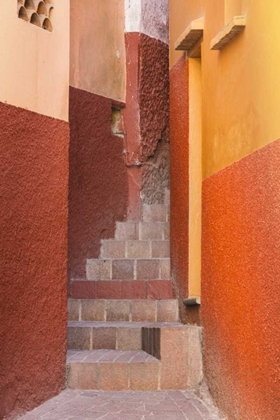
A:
(241, 285)
(98, 186)
(179, 174)
(33, 254)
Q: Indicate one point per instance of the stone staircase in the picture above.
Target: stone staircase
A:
(123, 330)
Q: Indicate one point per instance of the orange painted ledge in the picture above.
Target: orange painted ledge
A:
(228, 33)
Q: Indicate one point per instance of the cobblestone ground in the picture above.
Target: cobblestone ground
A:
(127, 405)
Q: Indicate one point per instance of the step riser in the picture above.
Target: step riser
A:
(116, 377)
(155, 212)
(135, 249)
(121, 289)
(123, 310)
(87, 338)
(128, 269)
(142, 231)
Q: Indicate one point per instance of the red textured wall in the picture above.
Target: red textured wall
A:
(179, 174)
(153, 93)
(241, 285)
(147, 98)
(98, 186)
(33, 253)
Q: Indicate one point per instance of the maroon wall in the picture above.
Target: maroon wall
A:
(146, 120)
(98, 185)
(241, 285)
(147, 99)
(33, 253)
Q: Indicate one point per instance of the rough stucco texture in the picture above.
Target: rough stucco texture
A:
(98, 186)
(241, 285)
(179, 174)
(33, 253)
(156, 175)
(153, 93)
(147, 102)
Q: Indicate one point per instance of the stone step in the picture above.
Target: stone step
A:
(142, 231)
(121, 289)
(155, 212)
(138, 310)
(128, 269)
(86, 335)
(171, 359)
(112, 370)
(137, 249)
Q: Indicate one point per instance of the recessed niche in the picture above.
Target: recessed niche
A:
(29, 5)
(117, 121)
(42, 9)
(22, 14)
(47, 25)
(35, 20)
(36, 12)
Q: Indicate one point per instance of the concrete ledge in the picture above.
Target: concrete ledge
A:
(191, 301)
(228, 33)
(191, 38)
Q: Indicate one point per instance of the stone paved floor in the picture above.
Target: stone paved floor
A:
(127, 405)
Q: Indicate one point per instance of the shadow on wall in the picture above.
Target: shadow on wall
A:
(98, 186)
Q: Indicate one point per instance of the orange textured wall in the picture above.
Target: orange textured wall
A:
(179, 174)
(241, 285)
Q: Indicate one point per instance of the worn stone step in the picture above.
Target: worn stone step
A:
(175, 352)
(131, 269)
(137, 249)
(87, 335)
(134, 310)
(121, 289)
(112, 370)
(142, 230)
(155, 212)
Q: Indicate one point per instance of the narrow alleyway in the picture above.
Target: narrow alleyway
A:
(123, 349)
(126, 405)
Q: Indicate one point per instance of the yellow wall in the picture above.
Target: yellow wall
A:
(97, 61)
(195, 177)
(241, 83)
(34, 70)
(179, 18)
